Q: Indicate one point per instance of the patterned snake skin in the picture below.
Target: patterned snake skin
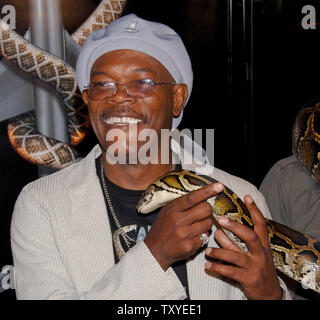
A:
(295, 254)
(22, 132)
(306, 138)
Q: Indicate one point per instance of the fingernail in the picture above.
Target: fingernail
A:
(208, 251)
(218, 187)
(249, 199)
(208, 265)
(223, 221)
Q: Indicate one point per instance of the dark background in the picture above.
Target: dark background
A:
(252, 128)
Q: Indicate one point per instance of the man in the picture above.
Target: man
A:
(290, 190)
(293, 196)
(294, 200)
(75, 234)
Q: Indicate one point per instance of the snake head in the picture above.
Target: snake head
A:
(145, 204)
(155, 197)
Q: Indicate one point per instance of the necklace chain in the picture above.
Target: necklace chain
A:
(125, 237)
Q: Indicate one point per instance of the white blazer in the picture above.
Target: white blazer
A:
(62, 245)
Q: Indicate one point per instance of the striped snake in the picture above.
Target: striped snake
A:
(22, 132)
(295, 254)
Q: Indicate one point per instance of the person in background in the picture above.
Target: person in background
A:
(290, 190)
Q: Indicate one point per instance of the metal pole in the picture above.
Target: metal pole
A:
(47, 32)
(230, 52)
(247, 7)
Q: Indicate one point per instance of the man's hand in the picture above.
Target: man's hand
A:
(255, 269)
(175, 234)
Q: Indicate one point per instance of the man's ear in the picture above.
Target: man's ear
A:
(85, 96)
(180, 95)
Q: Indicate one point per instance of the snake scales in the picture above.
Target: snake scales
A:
(295, 254)
(306, 138)
(22, 132)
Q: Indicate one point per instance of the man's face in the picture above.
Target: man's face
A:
(155, 111)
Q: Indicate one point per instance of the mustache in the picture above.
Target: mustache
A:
(129, 112)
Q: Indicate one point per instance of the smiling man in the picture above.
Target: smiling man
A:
(129, 92)
(77, 234)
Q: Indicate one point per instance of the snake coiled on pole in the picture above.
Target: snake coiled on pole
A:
(22, 132)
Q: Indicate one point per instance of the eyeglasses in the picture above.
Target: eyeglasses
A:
(141, 88)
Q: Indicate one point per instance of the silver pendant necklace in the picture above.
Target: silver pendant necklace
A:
(125, 237)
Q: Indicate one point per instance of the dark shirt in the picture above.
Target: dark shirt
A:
(134, 224)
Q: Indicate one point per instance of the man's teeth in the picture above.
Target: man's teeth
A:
(122, 120)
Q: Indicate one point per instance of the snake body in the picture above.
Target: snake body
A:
(295, 254)
(22, 132)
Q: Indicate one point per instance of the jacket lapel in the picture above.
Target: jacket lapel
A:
(88, 246)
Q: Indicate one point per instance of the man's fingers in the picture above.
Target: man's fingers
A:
(243, 232)
(200, 242)
(199, 212)
(191, 199)
(232, 272)
(236, 258)
(198, 219)
(259, 221)
(197, 228)
(224, 241)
